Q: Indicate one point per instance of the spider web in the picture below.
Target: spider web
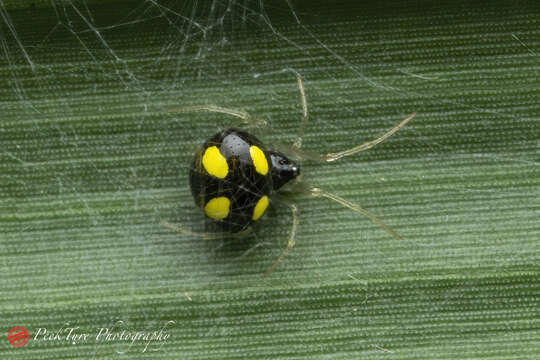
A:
(194, 48)
(97, 50)
(190, 45)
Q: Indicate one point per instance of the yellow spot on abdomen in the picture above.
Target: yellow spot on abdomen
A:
(260, 208)
(259, 160)
(214, 163)
(217, 208)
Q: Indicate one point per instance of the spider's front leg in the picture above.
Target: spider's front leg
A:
(297, 144)
(318, 192)
(330, 157)
(368, 145)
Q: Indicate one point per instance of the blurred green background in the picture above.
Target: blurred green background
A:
(92, 160)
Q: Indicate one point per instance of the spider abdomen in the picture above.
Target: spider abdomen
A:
(231, 179)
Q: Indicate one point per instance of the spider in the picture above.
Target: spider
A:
(233, 176)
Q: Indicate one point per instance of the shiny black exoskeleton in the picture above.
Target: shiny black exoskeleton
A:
(233, 176)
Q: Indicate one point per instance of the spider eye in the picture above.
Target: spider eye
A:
(283, 162)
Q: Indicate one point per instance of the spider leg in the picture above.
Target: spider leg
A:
(297, 144)
(368, 145)
(245, 118)
(317, 192)
(308, 155)
(290, 243)
(207, 235)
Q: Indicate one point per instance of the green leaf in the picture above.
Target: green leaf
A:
(94, 156)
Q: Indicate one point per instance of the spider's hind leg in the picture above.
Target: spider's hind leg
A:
(245, 118)
(292, 238)
(207, 235)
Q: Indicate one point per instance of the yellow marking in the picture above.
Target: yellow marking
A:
(214, 163)
(260, 208)
(259, 160)
(217, 208)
